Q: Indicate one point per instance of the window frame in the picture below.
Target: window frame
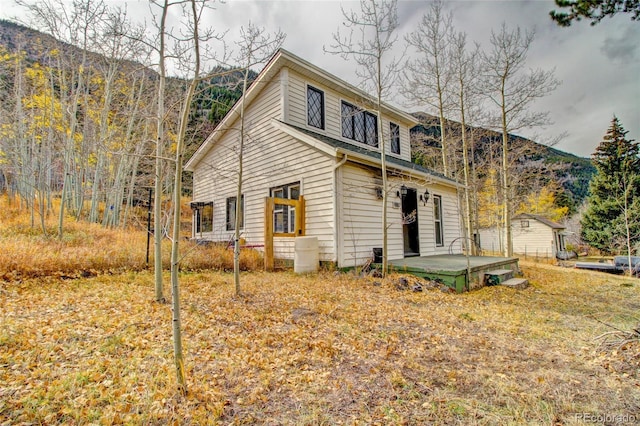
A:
(394, 138)
(357, 123)
(438, 223)
(288, 212)
(200, 218)
(231, 222)
(322, 107)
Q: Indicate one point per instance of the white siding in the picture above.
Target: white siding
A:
(333, 127)
(271, 158)
(361, 217)
(360, 228)
(534, 240)
(491, 239)
(450, 222)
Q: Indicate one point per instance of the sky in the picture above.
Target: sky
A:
(599, 66)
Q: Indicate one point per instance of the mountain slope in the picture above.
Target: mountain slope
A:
(571, 172)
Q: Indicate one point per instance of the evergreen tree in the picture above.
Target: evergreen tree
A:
(593, 10)
(612, 220)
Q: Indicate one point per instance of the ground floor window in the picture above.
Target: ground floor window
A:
(231, 213)
(284, 217)
(202, 217)
(437, 218)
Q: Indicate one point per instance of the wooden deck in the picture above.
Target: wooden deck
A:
(452, 269)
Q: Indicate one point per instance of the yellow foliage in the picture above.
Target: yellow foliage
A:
(542, 203)
(489, 204)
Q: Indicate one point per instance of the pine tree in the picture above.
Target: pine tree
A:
(612, 220)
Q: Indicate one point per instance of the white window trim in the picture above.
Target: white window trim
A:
(440, 220)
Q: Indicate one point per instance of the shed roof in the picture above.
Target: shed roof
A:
(540, 219)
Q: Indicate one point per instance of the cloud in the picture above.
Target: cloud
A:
(599, 65)
(622, 48)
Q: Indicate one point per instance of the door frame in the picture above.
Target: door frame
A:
(410, 230)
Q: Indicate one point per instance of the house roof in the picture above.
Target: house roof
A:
(283, 58)
(334, 146)
(540, 219)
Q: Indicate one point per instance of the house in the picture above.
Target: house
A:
(311, 135)
(533, 235)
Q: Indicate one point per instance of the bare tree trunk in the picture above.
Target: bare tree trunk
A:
(512, 90)
(177, 195)
(236, 235)
(157, 195)
(506, 213)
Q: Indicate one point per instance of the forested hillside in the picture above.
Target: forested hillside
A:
(537, 165)
(87, 115)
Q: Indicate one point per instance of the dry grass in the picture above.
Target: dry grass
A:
(325, 349)
(88, 249)
(315, 350)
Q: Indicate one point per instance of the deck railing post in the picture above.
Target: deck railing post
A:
(269, 206)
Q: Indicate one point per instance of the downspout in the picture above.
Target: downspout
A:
(335, 207)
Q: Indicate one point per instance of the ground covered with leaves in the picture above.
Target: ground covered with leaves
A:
(325, 349)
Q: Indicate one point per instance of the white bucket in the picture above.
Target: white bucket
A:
(306, 257)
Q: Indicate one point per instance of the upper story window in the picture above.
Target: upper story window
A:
(361, 126)
(315, 107)
(394, 131)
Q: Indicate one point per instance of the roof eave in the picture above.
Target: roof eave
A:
(405, 170)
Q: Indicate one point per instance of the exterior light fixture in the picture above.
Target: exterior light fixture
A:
(425, 197)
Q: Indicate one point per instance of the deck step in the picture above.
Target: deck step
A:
(518, 283)
(497, 276)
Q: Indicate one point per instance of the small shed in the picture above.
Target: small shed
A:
(533, 235)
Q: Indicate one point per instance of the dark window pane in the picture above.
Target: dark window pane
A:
(278, 221)
(358, 127)
(207, 218)
(292, 219)
(347, 120)
(437, 216)
(395, 138)
(315, 108)
(371, 124)
(294, 192)
(231, 213)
